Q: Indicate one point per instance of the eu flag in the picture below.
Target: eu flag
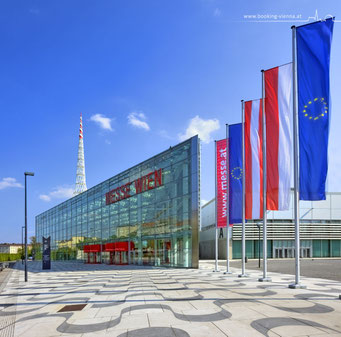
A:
(236, 173)
(313, 59)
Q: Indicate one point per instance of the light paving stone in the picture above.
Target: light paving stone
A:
(21, 327)
(328, 335)
(295, 331)
(132, 321)
(136, 309)
(240, 313)
(204, 305)
(114, 311)
(242, 328)
(201, 329)
(270, 311)
(177, 306)
(163, 298)
(112, 333)
(163, 319)
(86, 322)
(86, 313)
(38, 330)
(204, 315)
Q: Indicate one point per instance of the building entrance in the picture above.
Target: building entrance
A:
(286, 249)
(93, 253)
(110, 253)
(163, 252)
(305, 252)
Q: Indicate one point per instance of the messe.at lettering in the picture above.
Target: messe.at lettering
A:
(221, 174)
(145, 183)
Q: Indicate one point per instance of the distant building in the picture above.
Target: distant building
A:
(11, 248)
(320, 231)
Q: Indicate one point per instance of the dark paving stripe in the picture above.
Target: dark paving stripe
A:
(264, 293)
(308, 296)
(314, 309)
(155, 332)
(274, 322)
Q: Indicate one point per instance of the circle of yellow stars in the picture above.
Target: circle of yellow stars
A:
(324, 108)
(237, 172)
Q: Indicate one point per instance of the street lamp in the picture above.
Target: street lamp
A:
(26, 174)
(22, 244)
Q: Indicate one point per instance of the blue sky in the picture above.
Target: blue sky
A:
(145, 74)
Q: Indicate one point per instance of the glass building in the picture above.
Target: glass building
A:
(146, 215)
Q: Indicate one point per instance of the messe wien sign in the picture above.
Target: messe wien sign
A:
(145, 183)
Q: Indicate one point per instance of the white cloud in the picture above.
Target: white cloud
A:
(9, 182)
(217, 12)
(102, 121)
(60, 192)
(138, 120)
(201, 127)
(45, 197)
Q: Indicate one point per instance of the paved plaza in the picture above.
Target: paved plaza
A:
(329, 268)
(140, 301)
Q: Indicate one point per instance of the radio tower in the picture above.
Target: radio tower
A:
(80, 178)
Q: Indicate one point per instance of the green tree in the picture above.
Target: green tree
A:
(35, 246)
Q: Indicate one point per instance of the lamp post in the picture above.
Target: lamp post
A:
(26, 174)
(22, 244)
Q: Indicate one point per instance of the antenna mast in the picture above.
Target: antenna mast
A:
(80, 177)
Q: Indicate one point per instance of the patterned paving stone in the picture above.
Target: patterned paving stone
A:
(138, 301)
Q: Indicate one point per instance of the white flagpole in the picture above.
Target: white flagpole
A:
(228, 202)
(216, 217)
(265, 277)
(296, 172)
(243, 176)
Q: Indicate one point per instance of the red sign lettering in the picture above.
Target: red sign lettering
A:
(145, 183)
(138, 185)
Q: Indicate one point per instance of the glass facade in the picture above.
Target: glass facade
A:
(135, 217)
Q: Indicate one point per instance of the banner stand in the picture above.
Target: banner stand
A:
(228, 203)
(216, 218)
(265, 277)
(243, 274)
(221, 186)
(297, 284)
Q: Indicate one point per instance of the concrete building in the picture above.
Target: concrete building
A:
(11, 248)
(320, 231)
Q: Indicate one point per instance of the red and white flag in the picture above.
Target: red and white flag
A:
(253, 160)
(278, 88)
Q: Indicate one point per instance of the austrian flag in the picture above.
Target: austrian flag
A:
(253, 160)
(278, 136)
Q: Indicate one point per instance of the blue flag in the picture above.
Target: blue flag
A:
(313, 59)
(236, 173)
